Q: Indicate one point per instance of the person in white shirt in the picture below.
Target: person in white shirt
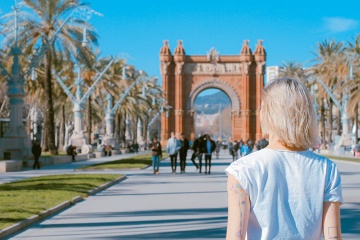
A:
(285, 191)
(172, 148)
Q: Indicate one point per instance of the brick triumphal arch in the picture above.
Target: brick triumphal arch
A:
(241, 77)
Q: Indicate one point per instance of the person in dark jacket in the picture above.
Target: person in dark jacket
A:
(196, 152)
(183, 151)
(135, 147)
(71, 151)
(262, 144)
(36, 151)
(208, 147)
(156, 155)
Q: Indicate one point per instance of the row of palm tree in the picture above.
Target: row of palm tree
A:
(332, 65)
(38, 21)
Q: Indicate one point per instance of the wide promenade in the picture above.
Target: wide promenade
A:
(164, 206)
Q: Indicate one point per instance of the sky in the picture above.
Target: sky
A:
(290, 30)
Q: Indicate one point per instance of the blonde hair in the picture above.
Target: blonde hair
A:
(287, 112)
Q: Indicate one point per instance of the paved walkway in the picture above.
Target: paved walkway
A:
(164, 206)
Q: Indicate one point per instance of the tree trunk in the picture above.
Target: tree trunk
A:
(135, 136)
(144, 129)
(117, 129)
(123, 130)
(88, 120)
(62, 126)
(338, 123)
(357, 123)
(322, 119)
(330, 117)
(49, 108)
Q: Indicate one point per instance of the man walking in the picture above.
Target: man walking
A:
(196, 152)
(36, 151)
(183, 152)
(209, 146)
(261, 144)
(172, 148)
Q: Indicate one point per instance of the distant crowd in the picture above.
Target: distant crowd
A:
(203, 147)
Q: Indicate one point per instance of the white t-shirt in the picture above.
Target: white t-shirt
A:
(287, 190)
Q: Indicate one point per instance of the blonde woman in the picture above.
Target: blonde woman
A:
(285, 191)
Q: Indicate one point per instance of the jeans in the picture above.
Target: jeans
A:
(207, 162)
(155, 162)
(173, 159)
(183, 160)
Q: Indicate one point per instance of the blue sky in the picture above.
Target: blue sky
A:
(289, 29)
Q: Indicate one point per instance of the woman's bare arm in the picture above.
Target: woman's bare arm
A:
(331, 221)
(238, 210)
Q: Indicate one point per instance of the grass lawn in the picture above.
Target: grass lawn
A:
(136, 161)
(47, 154)
(342, 158)
(25, 198)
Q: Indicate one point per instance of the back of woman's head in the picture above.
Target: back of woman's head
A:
(288, 114)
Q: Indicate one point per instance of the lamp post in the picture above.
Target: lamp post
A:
(110, 110)
(16, 142)
(163, 108)
(78, 101)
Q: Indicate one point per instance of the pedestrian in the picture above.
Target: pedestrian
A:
(230, 146)
(108, 150)
(245, 149)
(262, 144)
(218, 147)
(357, 150)
(172, 148)
(196, 151)
(285, 191)
(71, 151)
(135, 147)
(183, 152)
(250, 143)
(129, 147)
(156, 155)
(209, 146)
(234, 150)
(36, 151)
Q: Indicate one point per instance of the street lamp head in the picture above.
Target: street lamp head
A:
(33, 74)
(85, 41)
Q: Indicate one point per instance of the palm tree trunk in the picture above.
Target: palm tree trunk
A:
(330, 117)
(49, 107)
(89, 119)
(123, 130)
(144, 132)
(357, 123)
(62, 126)
(117, 129)
(338, 123)
(322, 119)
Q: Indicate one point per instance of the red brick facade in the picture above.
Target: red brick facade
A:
(241, 77)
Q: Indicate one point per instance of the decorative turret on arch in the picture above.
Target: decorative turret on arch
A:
(240, 76)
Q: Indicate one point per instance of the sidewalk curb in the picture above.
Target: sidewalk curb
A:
(42, 215)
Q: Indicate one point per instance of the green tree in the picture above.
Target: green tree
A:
(37, 26)
(330, 69)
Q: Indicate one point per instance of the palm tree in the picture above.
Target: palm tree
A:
(293, 69)
(353, 85)
(330, 69)
(37, 26)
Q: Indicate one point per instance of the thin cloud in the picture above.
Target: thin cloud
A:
(338, 24)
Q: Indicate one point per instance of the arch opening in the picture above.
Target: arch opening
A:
(212, 114)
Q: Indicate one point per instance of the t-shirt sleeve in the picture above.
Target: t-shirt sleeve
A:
(236, 171)
(333, 190)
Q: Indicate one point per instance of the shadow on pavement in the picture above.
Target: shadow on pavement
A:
(350, 219)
